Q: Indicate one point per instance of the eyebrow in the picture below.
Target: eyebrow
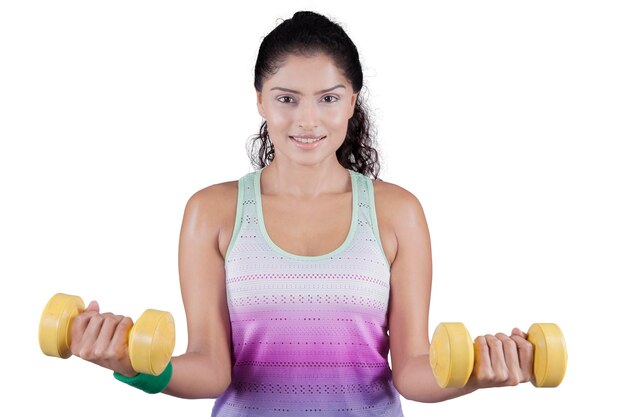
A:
(319, 92)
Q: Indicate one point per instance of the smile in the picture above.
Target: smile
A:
(306, 140)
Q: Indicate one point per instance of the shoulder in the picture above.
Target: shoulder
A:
(215, 194)
(397, 204)
(212, 205)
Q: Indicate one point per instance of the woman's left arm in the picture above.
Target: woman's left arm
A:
(497, 361)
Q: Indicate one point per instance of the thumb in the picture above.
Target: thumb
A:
(517, 332)
(93, 306)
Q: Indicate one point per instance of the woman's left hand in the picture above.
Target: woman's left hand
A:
(502, 360)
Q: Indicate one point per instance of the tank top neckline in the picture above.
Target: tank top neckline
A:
(340, 248)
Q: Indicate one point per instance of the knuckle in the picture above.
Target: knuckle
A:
(509, 344)
(501, 377)
(80, 319)
(86, 353)
(108, 318)
(113, 353)
(484, 375)
(126, 322)
(526, 347)
(120, 354)
(98, 353)
(514, 379)
(96, 319)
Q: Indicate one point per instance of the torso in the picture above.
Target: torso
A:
(323, 222)
(283, 312)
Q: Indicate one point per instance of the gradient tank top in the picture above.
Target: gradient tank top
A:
(309, 333)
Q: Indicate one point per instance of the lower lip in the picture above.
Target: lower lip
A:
(307, 145)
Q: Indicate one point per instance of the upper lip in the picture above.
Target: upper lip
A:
(307, 136)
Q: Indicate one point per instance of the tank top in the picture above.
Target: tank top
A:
(309, 333)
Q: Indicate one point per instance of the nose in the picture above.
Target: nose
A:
(307, 114)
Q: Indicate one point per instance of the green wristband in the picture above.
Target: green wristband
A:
(152, 384)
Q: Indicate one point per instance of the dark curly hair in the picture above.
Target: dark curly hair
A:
(308, 33)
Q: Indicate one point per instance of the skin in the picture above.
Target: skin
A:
(303, 190)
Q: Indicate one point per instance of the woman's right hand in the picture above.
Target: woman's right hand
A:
(102, 338)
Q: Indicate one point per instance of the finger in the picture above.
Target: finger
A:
(518, 332)
(119, 342)
(77, 330)
(525, 351)
(511, 358)
(90, 336)
(482, 361)
(93, 306)
(498, 362)
(103, 340)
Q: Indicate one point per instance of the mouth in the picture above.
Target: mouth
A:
(306, 140)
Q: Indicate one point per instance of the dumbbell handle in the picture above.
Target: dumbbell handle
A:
(150, 341)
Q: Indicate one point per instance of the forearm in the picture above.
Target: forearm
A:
(415, 381)
(197, 375)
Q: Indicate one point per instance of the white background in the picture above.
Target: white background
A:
(505, 119)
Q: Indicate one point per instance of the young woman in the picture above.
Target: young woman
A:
(299, 278)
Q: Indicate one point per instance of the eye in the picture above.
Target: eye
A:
(291, 102)
(287, 97)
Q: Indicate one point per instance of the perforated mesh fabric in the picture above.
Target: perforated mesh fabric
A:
(309, 333)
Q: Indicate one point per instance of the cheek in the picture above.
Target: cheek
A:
(337, 119)
(278, 113)
(278, 120)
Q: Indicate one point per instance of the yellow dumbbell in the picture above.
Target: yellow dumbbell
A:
(150, 340)
(452, 354)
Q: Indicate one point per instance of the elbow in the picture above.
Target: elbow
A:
(199, 376)
(399, 386)
(214, 394)
(212, 390)
(413, 392)
(416, 395)
(224, 386)
(222, 383)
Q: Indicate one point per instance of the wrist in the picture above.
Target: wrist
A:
(152, 384)
(471, 385)
(127, 373)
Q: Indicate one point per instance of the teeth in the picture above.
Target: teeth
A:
(306, 140)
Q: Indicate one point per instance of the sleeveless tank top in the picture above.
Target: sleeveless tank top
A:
(309, 333)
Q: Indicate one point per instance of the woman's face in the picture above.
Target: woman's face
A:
(307, 97)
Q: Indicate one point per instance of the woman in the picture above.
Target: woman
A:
(300, 277)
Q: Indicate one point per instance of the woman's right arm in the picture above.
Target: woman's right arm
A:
(204, 370)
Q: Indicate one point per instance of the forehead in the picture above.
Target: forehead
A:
(307, 74)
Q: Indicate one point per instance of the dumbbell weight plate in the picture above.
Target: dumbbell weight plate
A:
(151, 342)
(451, 355)
(550, 354)
(55, 322)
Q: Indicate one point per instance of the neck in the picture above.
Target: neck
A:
(304, 181)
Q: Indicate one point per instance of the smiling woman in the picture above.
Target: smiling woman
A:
(321, 54)
(309, 120)
(301, 278)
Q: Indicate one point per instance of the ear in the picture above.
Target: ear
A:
(259, 104)
(353, 102)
